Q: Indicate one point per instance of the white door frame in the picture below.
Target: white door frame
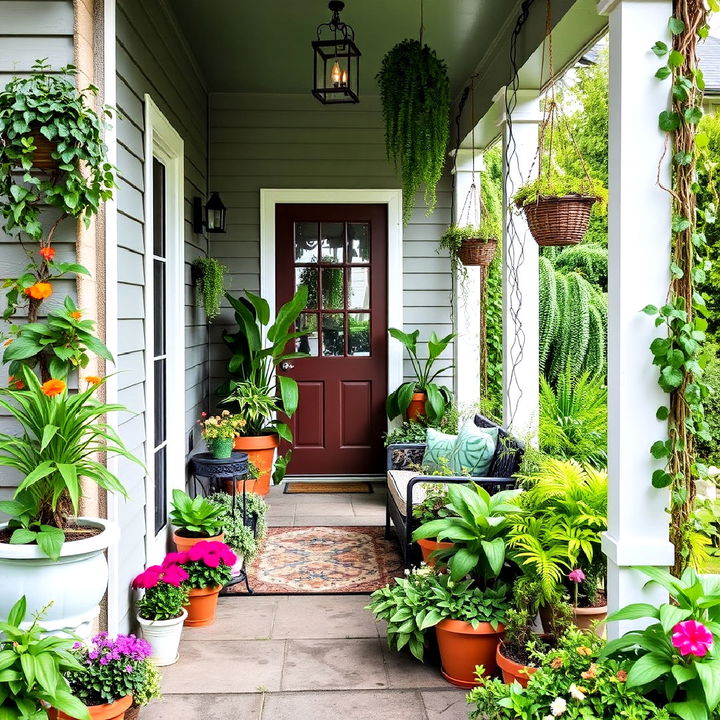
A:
(270, 197)
(164, 143)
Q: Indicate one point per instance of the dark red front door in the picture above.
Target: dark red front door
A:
(340, 253)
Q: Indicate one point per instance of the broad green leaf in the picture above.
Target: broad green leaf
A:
(635, 612)
(648, 668)
(671, 615)
(495, 554)
(461, 563)
(709, 674)
(289, 394)
(689, 710)
(50, 540)
(48, 434)
(17, 612)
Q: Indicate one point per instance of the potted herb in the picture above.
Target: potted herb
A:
(45, 547)
(196, 519)
(256, 391)
(220, 431)
(415, 97)
(422, 396)
(208, 566)
(471, 245)
(160, 610)
(147, 691)
(112, 670)
(558, 207)
(209, 275)
(25, 646)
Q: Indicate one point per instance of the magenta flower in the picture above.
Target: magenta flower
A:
(174, 575)
(692, 638)
(211, 554)
(149, 578)
(576, 576)
(175, 558)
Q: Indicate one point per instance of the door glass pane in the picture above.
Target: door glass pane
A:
(306, 242)
(308, 276)
(332, 247)
(333, 334)
(159, 301)
(160, 402)
(333, 290)
(358, 288)
(359, 330)
(160, 488)
(158, 208)
(307, 343)
(358, 242)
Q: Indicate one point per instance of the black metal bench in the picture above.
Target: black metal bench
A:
(403, 457)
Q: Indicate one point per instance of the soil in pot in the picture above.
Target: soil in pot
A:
(513, 668)
(72, 532)
(463, 648)
(429, 546)
(261, 452)
(111, 711)
(416, 408)
(183, 543)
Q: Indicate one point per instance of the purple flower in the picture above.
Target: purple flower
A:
(576, 576)
(128, 668)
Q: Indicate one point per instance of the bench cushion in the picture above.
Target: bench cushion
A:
(397, 482)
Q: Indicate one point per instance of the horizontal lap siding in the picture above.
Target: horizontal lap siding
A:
(30, 30)
(292, 141)
(151, 58)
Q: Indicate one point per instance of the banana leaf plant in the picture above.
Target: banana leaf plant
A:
(439, 397)
(258, 347)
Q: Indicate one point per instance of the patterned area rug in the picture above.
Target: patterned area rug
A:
(310, 560)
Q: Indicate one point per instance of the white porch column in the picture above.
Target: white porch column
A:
(467, 293)
(639, 249)
(521, 295)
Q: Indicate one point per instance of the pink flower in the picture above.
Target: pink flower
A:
(692, 638)
(576, 576)
(175, 558)
(211, 554)
(174, 575)
(148, 579)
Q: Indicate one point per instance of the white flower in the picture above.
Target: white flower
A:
(548, 717)
(558, 706)
(576, 693)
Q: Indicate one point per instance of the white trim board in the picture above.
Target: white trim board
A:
(163, 142)
(270, 197)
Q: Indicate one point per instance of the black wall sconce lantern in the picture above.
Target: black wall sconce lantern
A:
(336, 63)
(211, 217)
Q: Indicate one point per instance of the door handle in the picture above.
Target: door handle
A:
(286, 365)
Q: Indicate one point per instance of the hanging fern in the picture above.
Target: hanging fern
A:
(549, 311)
(415, 95)
(587, 259)
(209, 274)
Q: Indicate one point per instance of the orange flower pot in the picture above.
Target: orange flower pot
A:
(512, 671)
(416, 408)
(202, 606)
(584, 617)
(183, 544)
(110, 711)
(430, 546)
(261, 452)
(462, 649)
(249, 486)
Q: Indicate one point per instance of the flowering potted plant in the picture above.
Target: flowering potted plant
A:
(588, 602)
(161, 611)
(208, 566)
(113, 669)
(220, 431)
(196, 519)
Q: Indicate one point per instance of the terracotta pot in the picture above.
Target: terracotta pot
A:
(429, 546)
(183, 544)
(261, 452)
(202, 606)
(585, 617)
(462, 649)
(249, 486)
(416, 408)
(110, 711)
(512, 671)
(133, 713)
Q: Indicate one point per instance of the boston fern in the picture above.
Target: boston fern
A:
(415, 95)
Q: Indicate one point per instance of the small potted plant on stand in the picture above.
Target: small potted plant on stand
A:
(160, 611)
(196, 519)
(208, 566)
(220, 431)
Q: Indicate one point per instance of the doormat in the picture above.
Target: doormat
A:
(318, 560)
(295, 487)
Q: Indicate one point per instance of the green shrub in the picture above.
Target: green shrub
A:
(709, 451)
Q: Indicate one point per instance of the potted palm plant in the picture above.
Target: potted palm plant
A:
(422, 396)
(196, 519)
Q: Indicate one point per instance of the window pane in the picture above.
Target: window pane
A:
(160, 402)
(159, 301)
(306, 242)
(160, 489)
(158, 208)
(359, 288)
(308, 276)
(332, 288)
(332, 246)
(333, 334)
(358, 242)
(307, 343)
(359, 330)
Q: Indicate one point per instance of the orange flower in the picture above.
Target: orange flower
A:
(15, 383)
(39, 291)
(53, 387)
(47, 253)
(7, 342)
(621, 675)
(590, 673)
(585, 651)
(93, 379)
(557, 663)
(76, 314)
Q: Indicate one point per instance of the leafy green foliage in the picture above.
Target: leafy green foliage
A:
(163, 601)
(415, 95)
(239, 536)
(559, 185)
(196, 517)
(439, 397)
(209, 281)
(587, 259)
(573, 419)
(434, 505)
(32, 668)
(149, 688)
(708, 449)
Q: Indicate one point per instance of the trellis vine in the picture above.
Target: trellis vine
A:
(679, 353)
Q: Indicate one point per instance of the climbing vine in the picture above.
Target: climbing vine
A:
(679, 352)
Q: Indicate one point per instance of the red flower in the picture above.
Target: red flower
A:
(47, 253)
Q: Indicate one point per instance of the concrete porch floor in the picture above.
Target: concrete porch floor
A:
(302, 657)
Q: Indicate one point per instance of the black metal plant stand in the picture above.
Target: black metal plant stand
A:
(215, 470)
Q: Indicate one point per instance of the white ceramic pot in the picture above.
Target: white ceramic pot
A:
(74, 584)
(164, 636)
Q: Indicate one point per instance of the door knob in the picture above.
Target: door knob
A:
(287, 365)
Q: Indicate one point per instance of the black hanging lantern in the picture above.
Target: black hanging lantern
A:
(211, 218)
(336, 75)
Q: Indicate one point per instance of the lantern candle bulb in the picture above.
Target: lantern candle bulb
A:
(335, 74)
(343, 81)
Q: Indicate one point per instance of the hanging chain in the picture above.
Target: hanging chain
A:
(422, 20)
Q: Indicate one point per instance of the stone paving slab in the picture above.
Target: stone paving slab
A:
(339, 520)
(205, 707)
(323, 617)
(239, 617)
(446, 704)
(404, 671)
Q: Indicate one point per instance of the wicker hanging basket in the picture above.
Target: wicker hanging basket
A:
(555, 221)
(477, 251)
(42, 157)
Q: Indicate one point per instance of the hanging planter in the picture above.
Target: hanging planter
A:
(472, 246)
(209, 275)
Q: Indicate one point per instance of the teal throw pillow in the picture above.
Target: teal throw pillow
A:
(474, 449)
(439, 450)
